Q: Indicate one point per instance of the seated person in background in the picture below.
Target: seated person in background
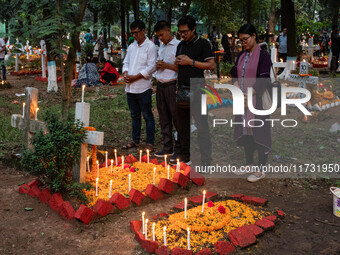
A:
(88, 74)
(263, 45)
(109, 72)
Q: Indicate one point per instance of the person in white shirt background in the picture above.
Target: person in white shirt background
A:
(138, 66)
(2, 56)
(166, 86)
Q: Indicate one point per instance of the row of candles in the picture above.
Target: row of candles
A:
(145, 224)
(140, 159)
(23, 111)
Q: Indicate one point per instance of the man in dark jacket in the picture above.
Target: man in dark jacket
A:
(335, 47)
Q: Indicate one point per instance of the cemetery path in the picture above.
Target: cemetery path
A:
(42, 231)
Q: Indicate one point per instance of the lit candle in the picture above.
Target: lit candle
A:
(165, 160)
(106, 159)
(82, 93)
(178, 166)
(188, 231)
(116, 157)
(97, 169)
(23, 110)
(153, 231)
(111, 164)
(185, 207)
(203, 200)
(168, 172)
(143, 213)
(147, 153)
(154, 175)
(123, 162)
(140, 156)
(281, 60)
(164, 233)
(36, 113)
(88, 164)
(97, 180)
(129, 182)
(146, 229)
(110, 188)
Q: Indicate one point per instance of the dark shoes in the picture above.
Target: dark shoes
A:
(160, 154)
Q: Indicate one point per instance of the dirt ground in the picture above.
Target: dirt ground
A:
(308, 228)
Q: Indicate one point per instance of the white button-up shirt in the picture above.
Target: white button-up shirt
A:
(140, 59)
(167, 53)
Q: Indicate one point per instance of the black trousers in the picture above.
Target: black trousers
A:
(250, 147)
(184, 116)
(107, 77)
(335, 59)
(167, 111)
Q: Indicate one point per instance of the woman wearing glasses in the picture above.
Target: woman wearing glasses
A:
(252, 69)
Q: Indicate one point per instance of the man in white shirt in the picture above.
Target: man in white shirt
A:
(166, 86)
(138, 66)
(2, 56)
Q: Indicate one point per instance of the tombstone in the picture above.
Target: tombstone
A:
(303, 78)
(43, 58)
(93, 138)
(28, 49)
(288, 66)
(28, 122)
(310, 48)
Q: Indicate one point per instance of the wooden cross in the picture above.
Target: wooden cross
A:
(93, 138)
(288, 66)
(303, 80)
(310, 47)
(28, 122)
(43, 57)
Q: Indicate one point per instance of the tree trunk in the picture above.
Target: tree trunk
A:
(150, 18)
(336, 6)
(72, 56)
(127, 23)
(105, 37)
(95, 21)
(272, 18)
(288, 20)
(6, 27)
(135, 6)
(108, 33)
(122, 21)
(169, 15)
(186, 8)
(249, 4)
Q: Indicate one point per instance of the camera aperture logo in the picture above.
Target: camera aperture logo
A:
(239, 109)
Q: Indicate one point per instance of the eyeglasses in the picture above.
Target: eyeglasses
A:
(183, 32)
(136, 32)
(243, 41)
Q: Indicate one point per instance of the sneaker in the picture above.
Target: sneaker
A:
(174, 157)
(243, 171)
(186, 161)
(160, 154)
(254, 178)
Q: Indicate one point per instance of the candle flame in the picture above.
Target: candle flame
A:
(97, 179)
(188, 229)
(115, 150)
(164, 229)
(83, 86)
(204, 192)
(153, 224)
(146, 221)
(88, 158)
(110, 182)
(143, 213)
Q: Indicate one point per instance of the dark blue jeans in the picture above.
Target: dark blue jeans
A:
(142, 103)
(2, 61)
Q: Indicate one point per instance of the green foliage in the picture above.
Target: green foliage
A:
(86, 49)
(225, 68)
(55, 153)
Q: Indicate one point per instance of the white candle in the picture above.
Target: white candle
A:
(185, 207)
(146, 229)
(129, 182)
(147, 153)
(143, 213)
(23, 110)
(168, 172)
(116, 157)
(106, 159)
(140, 156)
(110, 188)
(123, 162)
(164, 233)
(153, 231)
(165, 161)
(111, 164)
(188, 231)
(154, 175)
(177, 166)
(88, 164)
(82, 93)
(97, 169)
(36, 113)
(203, 201)
(97, 180)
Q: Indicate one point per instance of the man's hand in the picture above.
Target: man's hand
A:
(160, 64)
(183, 60)
(125, 74)
(133, 78)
